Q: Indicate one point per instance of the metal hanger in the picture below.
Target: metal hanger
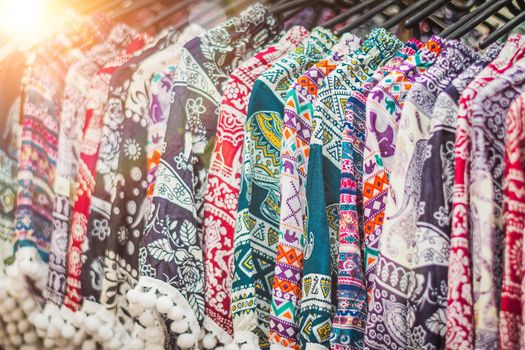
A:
(425, 13)
(465, 19)
(353, 11)
(366, 16)
(407, 12)
(503, 30)
(290, 5)
(166, 14)
(478, 19)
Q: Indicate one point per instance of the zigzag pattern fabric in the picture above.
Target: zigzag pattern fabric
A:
(349, 321)
(298, 113)
(393, 276)
(257, 231)
(383, 110)
(222, 194)
(324, 171)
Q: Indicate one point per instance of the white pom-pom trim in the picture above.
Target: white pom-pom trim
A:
(187, 340)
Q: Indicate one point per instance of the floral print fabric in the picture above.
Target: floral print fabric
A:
(383, 111)
(222, 195)
(511, 325)
(324, 178)
(257, 231)
(73, 112)
(98, 93)
(486, 197)
(298, 112)
(39, 138)
(463, 283)
(431, 244)
(171, 249)
(129, 207)
(393, 279)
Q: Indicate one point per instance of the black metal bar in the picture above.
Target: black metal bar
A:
(434, 5)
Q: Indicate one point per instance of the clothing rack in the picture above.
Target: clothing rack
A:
(237, 175)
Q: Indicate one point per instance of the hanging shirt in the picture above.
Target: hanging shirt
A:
(462, 280)
(488, 113)
(383, 110)
(72, 116)
(256, 233)
(324, 178)
(43, 90)
(85, 178)
(347, 330)
(171, 250)
(512, 325)
(393, 281)
(129, 207)
(298, 112)
(96, 223)
(11, 72)
(222, 194)
(431, 244)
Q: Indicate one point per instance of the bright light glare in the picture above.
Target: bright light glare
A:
(22, 19)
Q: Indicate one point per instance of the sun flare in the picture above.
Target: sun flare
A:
(24, 19)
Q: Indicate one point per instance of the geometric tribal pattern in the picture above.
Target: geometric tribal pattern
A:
(298, 113)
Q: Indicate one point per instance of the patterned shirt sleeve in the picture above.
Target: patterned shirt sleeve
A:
(431, 243)
(171, 256)
(486, 196)
(298, 112)
(72, 117)
(347, 325)
(511, 323)
(323, 182)
(257, 231)
(462, 283)
(400, 211)
(222, 194)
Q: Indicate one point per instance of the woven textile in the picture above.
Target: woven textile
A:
(431, 244)
(487, 166)
(383, 110)
(393, 279)
(72, 117)
(511, 325)
(43, 91)
(129, 207)
(171, 251)
(351, 287)
(98, 91)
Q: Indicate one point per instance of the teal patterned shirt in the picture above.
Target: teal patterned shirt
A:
(257, 230)
(323, 181)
